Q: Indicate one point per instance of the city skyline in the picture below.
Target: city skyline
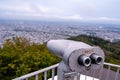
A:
(68, 10)
(39, 32)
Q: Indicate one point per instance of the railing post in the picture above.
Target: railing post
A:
(45, 75)
(101, 70)
(64, 72)
(116, 76)
(108, 72)
(53, 73)
(36, 77)
(78, 76)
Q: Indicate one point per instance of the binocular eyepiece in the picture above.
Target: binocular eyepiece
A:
(87, 61)
(84, 60)
(96, 59)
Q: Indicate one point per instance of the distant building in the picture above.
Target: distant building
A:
(108, 38)
(91, 34)
(1, 45)
(112, 39)
(116, 40)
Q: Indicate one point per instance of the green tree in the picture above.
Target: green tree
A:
(18, 57)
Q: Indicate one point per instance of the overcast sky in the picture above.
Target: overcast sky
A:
(81, 10)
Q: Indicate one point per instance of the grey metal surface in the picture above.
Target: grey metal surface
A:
(70, 51)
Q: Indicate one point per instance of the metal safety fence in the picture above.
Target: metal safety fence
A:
(107, 72)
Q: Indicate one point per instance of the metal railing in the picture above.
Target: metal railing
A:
(36, 73)
(101, 74)
(116, 74)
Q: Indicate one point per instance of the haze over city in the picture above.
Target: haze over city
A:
(58, 19)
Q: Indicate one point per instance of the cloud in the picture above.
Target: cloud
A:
(53, 7)
(108, 19)
(61, 9)
(72, 17)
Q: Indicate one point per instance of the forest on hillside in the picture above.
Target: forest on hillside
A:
(18, 56)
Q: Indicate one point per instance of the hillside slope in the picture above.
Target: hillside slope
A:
(18, 56)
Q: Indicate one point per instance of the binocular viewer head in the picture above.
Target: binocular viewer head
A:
(77, 55)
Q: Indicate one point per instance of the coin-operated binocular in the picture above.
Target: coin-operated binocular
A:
(76, 56)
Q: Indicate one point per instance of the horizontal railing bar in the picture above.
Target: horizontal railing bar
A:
(36, 72)
(113, 65)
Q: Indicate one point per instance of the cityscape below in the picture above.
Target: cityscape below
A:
(40, 31)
